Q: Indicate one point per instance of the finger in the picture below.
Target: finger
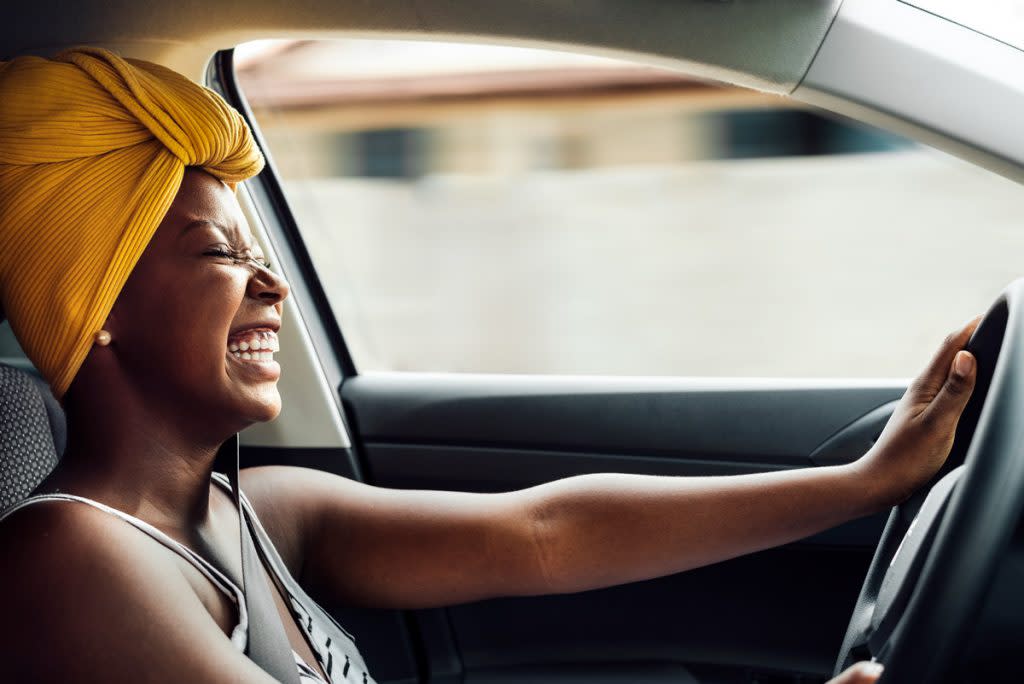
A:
(951, 399)
(859, 673)
(934, 374)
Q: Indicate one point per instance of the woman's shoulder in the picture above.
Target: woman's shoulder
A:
(62, 544)
(53, 525)
(82, 584)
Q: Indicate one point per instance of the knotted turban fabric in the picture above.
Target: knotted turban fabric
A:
(93, 149)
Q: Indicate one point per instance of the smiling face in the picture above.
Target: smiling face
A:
(195, 327)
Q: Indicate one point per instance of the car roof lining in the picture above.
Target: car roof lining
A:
(762, 45)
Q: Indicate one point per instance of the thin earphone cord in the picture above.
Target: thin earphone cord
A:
(267, 645)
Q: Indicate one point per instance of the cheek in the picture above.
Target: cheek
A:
(187, 325)
(211, 314)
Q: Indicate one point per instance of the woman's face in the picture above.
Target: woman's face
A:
(195, 327)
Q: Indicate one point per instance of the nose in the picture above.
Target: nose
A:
(267, 286)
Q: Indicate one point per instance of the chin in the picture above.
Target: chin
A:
(268, 413)
(264, 407)
(252, 388)
(243, 406)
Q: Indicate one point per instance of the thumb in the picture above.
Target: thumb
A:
(951, 399)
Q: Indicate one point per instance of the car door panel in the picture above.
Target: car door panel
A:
(746, 420)
(780, 610)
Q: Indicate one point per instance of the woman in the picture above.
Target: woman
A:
(133, 283)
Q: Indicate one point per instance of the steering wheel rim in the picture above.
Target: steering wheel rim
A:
(965, 518)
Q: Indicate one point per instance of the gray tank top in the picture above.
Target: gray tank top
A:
(332, 646)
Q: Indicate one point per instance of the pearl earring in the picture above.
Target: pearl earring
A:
(102, 338)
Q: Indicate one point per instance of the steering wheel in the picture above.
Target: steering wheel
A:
(940, 549)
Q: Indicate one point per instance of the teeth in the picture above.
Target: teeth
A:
(260, 346)
(253, 355)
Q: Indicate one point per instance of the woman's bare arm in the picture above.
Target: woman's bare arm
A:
(414, 549)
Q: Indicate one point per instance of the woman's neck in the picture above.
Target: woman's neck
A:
(139, 458)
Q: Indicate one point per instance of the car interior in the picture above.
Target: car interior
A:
(780, 615)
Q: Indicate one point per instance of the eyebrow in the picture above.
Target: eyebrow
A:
(232, 234)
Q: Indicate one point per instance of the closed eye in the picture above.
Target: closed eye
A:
(238, 257)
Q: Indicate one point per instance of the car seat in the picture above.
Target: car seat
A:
(32, 433)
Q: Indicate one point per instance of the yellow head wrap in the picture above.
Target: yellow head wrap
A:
(93, 149)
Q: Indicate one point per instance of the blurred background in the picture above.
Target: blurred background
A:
(475, 208)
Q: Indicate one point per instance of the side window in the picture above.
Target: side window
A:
(492, 209)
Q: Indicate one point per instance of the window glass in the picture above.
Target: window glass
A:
(491, 209)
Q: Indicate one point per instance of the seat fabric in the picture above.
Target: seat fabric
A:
(32, 433)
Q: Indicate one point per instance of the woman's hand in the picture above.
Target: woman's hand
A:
(859, 673)
(918, 437)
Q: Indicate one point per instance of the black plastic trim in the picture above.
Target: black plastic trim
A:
(336, 460)
(854, 440)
